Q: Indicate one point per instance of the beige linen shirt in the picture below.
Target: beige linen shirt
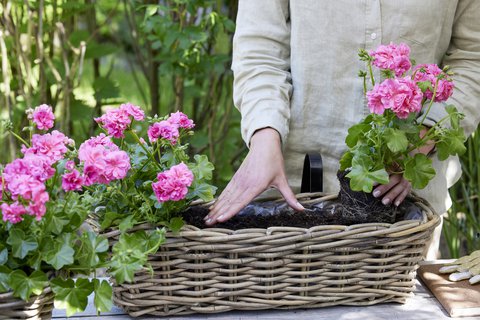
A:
(295, 65)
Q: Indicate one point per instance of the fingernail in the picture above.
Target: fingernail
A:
(220, 217)
(386, 201)
(397, 203)
(376, 193)
(208, 221)
(206, 218)
(300, 205)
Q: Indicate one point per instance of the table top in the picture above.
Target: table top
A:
(422, 306)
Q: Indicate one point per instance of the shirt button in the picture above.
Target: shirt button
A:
(373, 36)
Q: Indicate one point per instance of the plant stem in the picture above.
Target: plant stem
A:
(431, 101)
(19, 138)
(151, 156)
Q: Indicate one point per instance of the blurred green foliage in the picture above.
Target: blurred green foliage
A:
(81, 57)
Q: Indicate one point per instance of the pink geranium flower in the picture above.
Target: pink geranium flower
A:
(116, 121)
(430, 72)
(135, 111)
(52, 145)
(173, 184)
(402, 96)
(72, 181)
(392, 57)
(42, 117)
(12, 212)
(117, 164)
(181, 120)
(165, 130)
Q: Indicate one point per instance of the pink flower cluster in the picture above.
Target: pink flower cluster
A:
(24, 181)
(52, 145)
(24, 178)
(103, 161)
(431, 72)
(401, 95)
(392, 57)
(173, 184)
(42, 116)
(169, 129)
(116, 121)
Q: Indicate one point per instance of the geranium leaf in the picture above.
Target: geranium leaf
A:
(61, 253)
(71, 295)
(355, 133)
(3, 255)
(21, 244)
(452, 143)
(203, 168)
(103, 295)
(92, 246)
(23, 286)
(4, 275)
(175, 224)
(425, 85)
(346, 161)
(127, 223)
(124, 270)
(362, 179)
(396, 140)
(419, 171)
(204, 191)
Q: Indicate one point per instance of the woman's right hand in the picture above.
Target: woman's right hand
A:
(262, 168)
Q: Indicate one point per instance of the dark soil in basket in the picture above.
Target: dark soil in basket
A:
(275, 214)
(362, 206)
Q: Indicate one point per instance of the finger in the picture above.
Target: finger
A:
(402, 196)
(396, 191)
(288, 194)
(231, 206)
(384, 188)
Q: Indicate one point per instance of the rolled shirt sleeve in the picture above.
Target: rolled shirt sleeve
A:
(463, 57)
(261, 64)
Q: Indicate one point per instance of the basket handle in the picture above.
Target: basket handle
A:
(312, 177)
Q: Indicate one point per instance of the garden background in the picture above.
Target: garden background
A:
(80, 56)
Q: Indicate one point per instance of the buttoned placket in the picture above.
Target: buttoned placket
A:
(373, 34)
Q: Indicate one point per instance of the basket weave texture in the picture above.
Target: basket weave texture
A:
(37, 308)
(216, 270)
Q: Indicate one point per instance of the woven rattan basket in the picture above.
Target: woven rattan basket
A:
(38, 307)
(215, 270)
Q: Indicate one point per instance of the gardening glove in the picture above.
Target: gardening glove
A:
(467, 267)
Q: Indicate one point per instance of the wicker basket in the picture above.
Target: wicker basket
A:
(37, 308)
(216, 270)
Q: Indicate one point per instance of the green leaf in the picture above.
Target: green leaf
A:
(425, 85)
(203, 168)
(452, 143)
(3, 256)
(175, 224)
(454, 116)
(4, 275)
(356, 133)
(23, 286)
(127, 223)
(61, 254)
(346, 161)
(21, 244)
(103, 295)
(70, 295)
(93, 249)
(124, 270)
(362, 177)
(203, 191)
(396, 140)
(419, 171)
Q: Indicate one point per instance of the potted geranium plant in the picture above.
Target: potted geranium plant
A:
(162, 181)
(42, 244)
(388, 140)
